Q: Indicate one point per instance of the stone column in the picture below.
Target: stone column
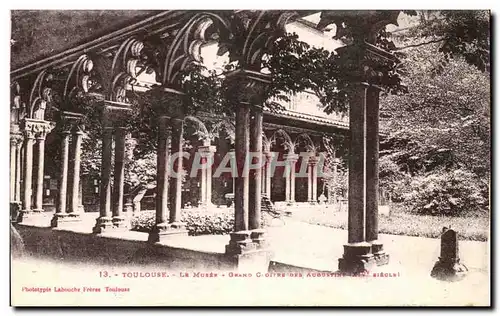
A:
(118, 219)
(357, 253)
(291, 160)
(61, 214)
(75, 172)
(372, 175)
(28, 169)
(269, 157)
(314, 179)
(240, 239)
(104, 223)
(287, 183)
(40, 172)
(13, 145)
(167, 224)
(207, 156)
(309, 183)
(161, 173)
(247, 248)
(18, 170)
(175, 225)
(255, 175)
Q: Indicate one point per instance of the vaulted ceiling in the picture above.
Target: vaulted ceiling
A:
(42, 33)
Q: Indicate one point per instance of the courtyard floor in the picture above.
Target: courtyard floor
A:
(293, 242)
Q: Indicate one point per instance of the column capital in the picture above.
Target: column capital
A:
(37, 128)
(359, 25)
(167, 102)
(116, 113)
(207, 149)
(291, 157)
(368, 63)
(16, 138)
(248, 86)
(313, 160)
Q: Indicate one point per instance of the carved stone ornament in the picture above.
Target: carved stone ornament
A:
(38, 129)
(248, 86)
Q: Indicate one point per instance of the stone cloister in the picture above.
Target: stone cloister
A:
(42, 102)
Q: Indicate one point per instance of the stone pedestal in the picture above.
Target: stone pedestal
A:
(381, 257)
(103, 224)
(248, 251)
(161, 232)
(63, 220)
(357, 258)
(33, 217)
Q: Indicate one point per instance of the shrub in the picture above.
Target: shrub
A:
(198, 221)
(455, 193)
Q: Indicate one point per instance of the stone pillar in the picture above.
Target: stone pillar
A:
(357, 253)
(247, 248)
(75, 173)
(287, 183)
(291, 160)
(175, 226)
(13, 145)
(18, 170)
(118, 219)
(15, 166)
(28, 169)
(61, 214)
(313, 163)
(448, 266)
(207, 156)
(40, 172)
(269, 157)
(255, 177)
(372, 175)
(104, 223)
(164, 226)
(242, 147)
(309, 183)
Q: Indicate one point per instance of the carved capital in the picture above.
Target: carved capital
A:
(16, 139)
(248, 86)
(358, 25)
(72, 123)
(366, 63)
(167, 102)
(116, 113)
(38, 129)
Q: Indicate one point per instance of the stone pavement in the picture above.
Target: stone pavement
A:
(304, 245)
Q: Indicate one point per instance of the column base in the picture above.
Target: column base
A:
(102, 224)
(62, 220)
(357, 258)
(119, 223)
(246, 254)
(381, 257)
(32, 217)
(258, 237)
(449, 270)
(240, 243)
(15, 209)
(206, 205)
(75, 215)
(163, 231)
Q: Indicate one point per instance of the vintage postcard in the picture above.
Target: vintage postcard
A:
(250, 157)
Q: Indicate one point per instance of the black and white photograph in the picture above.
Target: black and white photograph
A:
(250, 157)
